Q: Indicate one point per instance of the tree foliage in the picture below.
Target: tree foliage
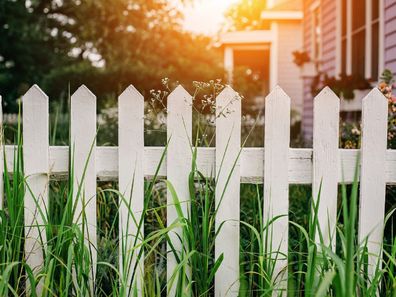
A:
(106, 45)
(246, 15)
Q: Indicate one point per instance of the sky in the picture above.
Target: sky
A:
(205, 16)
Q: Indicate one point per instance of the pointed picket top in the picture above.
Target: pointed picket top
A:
(179, 107)
(375, 94)
(325, 102)
(83, 93)
(327, 94)
(228, 102)
(131, 93)
(227, 94)
(277, 94)
(374, 102)
(179, 92)
(225, 100)
(35, 93)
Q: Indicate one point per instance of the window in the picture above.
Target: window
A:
(344, 36)
(360, 38)
(375, 19)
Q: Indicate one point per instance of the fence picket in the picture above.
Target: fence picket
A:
(372, 175)
(325, 162)
(179, 158)
(83, 144)
(131, 184)
(276, 185)
(35, 155)
(228, 144)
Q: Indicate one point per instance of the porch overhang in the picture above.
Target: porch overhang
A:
(257, 37)
(251, 40)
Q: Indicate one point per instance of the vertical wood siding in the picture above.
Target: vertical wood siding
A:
(328, 65)
(307, 116)
(290, 35)
(328, 19)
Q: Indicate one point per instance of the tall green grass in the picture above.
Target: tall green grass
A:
(12, 266)
(197, 260)
(315, 269)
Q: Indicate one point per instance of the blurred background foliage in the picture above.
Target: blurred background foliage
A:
(58, 43)
(246, 15)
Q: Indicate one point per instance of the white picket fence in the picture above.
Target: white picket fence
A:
(276, 166)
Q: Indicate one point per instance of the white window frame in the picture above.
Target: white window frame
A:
(368, 43)
(316, 7)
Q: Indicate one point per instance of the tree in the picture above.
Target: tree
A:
(106, 46)
(246, 15)
(29, 48)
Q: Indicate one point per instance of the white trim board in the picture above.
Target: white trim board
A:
(316, 8)
(282, 15)
(314, 5)
(274, 53)
(247, 37)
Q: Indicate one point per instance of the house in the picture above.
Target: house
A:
(269, 50)
(343, 38)
(354, 38)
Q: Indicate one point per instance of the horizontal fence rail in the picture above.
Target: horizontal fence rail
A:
(276, 165)
(252, 163)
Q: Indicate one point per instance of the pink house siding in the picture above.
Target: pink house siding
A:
(328, 65)
(307, 116)
(329, 37)
(390, 35)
